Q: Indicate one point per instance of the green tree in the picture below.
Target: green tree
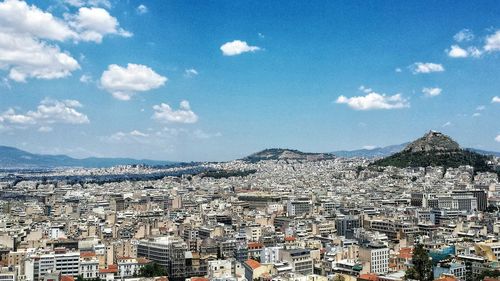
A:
(152, 270)
(422, 265)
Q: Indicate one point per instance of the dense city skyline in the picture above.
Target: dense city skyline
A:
(185, 81)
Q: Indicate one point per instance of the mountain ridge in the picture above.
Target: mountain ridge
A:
(12, 157)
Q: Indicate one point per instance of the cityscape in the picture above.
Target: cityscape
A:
(262, 156)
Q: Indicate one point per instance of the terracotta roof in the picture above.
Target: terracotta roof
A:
(405, 253)
(253, 264)
(112, 268)
(67, 278)
(369, 276)
(255, 245)
(87, 254)
(289, 238)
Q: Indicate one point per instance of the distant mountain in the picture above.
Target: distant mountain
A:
(286, 154)
(484, 152)
(11, 157)
(385, 151)
(371, 153)
(436, 149)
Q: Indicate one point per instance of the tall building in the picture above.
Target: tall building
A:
(376, 256)
(345, 225)
(169, 252)
(299, 259)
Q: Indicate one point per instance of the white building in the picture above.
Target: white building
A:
(376, 256)
(219, 269)
(270, 255)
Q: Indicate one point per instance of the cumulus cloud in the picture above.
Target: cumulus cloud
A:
(495, 99)
(237, 47)
(20, 18)
(456, 51)
(493, 42)
(432, 92)
(94, 23)
(164, 113)
(497, 138)
(141, 9)
(26, 57)
(47, 113)
(373, 100)
(123, 82)
(28, 35)
(464, 35)
(427, 67)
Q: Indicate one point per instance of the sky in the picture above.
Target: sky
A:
(187, 80)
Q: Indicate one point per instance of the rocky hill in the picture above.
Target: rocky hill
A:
(432, 141)
(436, 149)
(286, 154)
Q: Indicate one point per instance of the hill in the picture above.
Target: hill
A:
(286, 154)
(371, 153)
(436, 149)
(11, 157)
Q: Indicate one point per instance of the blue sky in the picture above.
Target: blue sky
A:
(217, 80)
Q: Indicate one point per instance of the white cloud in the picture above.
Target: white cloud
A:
(27, 36)
(474, 52)
(464, 35)
(495, 99)
(480, 107)
(85, 78)
(91, 3)
(141, 9)
(26, 57)
(94, 23)
(476, 114)
(164, 113)
(428, 67)
(24, 20)
(369, 147)
(373, 100)
(48, 112)
(457, 52)
(399, 70)
(123, 82)
(432, 92)
(447, 124)
(190, 72)
(497, 138)
(137, 133)
(237, 47)
(493, 42)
